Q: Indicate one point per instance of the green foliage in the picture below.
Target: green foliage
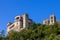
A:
(36, 32)
(2, 38)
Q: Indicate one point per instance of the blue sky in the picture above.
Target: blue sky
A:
(36, 9)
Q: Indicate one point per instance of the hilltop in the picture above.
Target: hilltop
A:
(36, 32)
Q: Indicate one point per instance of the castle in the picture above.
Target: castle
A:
(23, 21)
(20, 22)
(50, 21)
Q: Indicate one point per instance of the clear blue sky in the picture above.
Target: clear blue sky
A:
(36, 9)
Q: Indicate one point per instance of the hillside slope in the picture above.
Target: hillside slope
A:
(37, 32)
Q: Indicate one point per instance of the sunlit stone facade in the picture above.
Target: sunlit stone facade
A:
(50, 21)
(19, 24)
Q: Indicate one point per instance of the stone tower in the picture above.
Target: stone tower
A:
(52, 19)
(25, 20)
(20, 22)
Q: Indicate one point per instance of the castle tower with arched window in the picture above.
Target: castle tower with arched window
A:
(20, 22)
(52, 19)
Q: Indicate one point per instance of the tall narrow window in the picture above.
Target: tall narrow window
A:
(51, 17)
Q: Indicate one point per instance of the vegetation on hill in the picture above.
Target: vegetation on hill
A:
(36, 32)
